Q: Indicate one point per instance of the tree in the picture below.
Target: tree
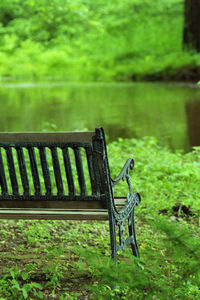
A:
(191, 35)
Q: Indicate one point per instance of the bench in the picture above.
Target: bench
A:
(65, 176)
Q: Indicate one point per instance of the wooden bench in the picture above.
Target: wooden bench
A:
(39, 181)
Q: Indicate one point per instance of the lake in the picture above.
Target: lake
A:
(168, 111)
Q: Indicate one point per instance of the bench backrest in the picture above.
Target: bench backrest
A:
(53, 170)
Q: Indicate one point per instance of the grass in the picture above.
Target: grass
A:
(70, 259)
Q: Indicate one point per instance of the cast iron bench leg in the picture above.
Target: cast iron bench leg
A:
(132, 233)
(113, 240)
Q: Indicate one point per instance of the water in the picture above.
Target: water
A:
(168, 111)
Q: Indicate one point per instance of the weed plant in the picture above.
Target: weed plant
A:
(71, 259)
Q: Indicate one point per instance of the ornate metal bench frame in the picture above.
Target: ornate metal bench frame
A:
(100, 204)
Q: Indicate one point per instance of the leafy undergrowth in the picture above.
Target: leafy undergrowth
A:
(70, 259)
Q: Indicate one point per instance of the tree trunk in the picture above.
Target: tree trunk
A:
(191, 35)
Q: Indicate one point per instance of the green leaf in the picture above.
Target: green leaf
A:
(25, 275)
(27, 287)
(40, 295)
(25, 294)
(16, 284)
(37, 285)
(29, 267)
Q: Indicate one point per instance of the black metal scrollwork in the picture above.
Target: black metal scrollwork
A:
(127, 212)
(118, 218)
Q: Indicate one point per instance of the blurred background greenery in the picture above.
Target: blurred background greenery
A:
(71, 64)
(95, 40)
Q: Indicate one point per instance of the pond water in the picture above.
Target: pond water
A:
(168, 111)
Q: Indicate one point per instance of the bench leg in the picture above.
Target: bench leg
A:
(113, 241)
(133, 235)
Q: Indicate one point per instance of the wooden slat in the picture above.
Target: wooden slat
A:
(60, 210)
(91, 170)
(54, 214)
(120, 201)
(80, 173)
(59, 204)
(68, 171)
(66, 204)
(22, 169)
(96, 175)
(57, 172)
(49, 137)
(45, 171)
(3, 182)
(34, 170)
(12, 172)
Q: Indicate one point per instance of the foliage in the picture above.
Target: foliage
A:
(11, 288)
(93, 40)
(164, 178)
(136, 279)
(70, 260)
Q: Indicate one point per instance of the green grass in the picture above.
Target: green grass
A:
(70, 259)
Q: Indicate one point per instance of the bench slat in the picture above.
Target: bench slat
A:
(58, 213)
(63, 214)
(97, 175)
(57, 172)
(91, 170)
(79, 167)
(22, 169)
(34, 170)
(68, 171)
(48, 137)
(3, 181)
(12, 172)
(59, 204)
(68, 204)
(45, 170)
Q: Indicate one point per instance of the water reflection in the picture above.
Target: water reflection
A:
(163, 110)
(193, 121)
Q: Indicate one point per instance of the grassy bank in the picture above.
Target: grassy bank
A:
(76, 40)
(70, 260)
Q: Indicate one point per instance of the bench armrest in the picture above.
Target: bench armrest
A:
(124, 174)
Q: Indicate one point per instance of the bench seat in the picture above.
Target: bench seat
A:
(59, 214)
